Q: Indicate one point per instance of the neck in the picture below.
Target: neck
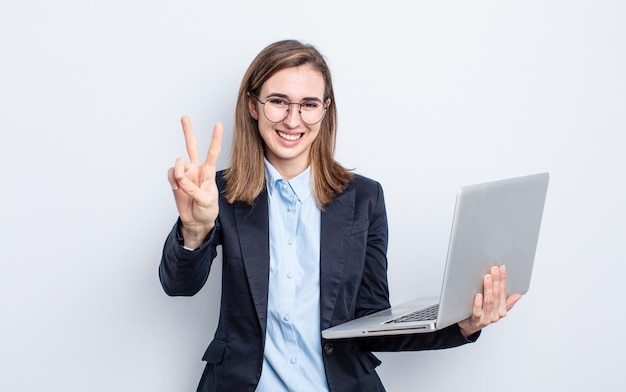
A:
(288, 169)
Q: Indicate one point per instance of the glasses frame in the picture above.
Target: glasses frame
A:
(325, 107)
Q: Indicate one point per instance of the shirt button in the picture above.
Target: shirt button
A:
(290, 275)
(290, 242)
(329, 348)
(293, 361)
(286, 317)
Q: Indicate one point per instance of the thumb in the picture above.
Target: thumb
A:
(512, 300)
(190, 189)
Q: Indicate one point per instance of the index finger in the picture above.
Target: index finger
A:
(190, 139)
(216, 145)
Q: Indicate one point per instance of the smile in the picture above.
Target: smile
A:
(290, 137)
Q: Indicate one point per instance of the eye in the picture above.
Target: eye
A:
(278, 102)
(311, 105)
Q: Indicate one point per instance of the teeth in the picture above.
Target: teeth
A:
(289, 137)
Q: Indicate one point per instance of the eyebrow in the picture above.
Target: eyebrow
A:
(286, 97)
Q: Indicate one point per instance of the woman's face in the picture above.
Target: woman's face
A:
(288, 142)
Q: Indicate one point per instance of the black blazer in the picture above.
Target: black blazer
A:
(353, 282)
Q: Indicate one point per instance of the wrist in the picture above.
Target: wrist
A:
(467, 331)
(193, 237)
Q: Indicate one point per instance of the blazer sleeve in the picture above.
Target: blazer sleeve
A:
(446, 338)
(373, 292)
(183, 272)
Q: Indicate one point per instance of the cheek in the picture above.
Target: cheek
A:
(265, 131)
(317, 133)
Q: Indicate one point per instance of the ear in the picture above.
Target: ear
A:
(327, 102)
(252, 106)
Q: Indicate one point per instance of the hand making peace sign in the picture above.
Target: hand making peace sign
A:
(195, 190)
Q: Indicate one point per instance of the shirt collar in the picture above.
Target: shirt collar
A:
(300, 184)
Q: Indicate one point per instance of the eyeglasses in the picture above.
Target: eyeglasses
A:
(277, 109)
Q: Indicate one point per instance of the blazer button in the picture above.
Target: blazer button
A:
(329, 348)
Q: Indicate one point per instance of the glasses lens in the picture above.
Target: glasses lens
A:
(312, 112)
(276, 110)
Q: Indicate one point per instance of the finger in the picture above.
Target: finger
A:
(497, 299)
(488, 296)
(180, 168)
(512, 300)
(171, 179)
(189, 188)
(216, 145)
(477, 310)
(503, 292)
(495, 274)
(190, 139)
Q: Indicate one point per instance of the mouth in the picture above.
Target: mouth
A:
(289, 137)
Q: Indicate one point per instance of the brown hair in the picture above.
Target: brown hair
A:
(245, 178)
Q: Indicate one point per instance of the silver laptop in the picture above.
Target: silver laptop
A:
(494, 223)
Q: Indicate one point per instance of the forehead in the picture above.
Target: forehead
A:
(295, 83)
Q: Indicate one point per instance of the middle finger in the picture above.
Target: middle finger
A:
(215, 146)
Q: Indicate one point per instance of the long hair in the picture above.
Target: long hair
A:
(245, 177)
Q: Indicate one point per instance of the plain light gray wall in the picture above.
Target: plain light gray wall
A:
(431, 96)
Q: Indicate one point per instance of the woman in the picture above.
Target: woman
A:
(303, 240)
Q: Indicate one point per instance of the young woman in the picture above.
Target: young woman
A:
(303, 240)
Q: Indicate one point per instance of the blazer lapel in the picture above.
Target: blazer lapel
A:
(336, 229)
(253, 226)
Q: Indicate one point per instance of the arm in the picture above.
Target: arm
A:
(373, 292)
(194, 187)
(489, 307)
(183, 271)
(187, 256)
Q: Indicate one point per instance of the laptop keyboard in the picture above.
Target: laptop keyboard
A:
(429, 313)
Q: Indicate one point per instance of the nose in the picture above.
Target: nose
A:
(293, 116)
